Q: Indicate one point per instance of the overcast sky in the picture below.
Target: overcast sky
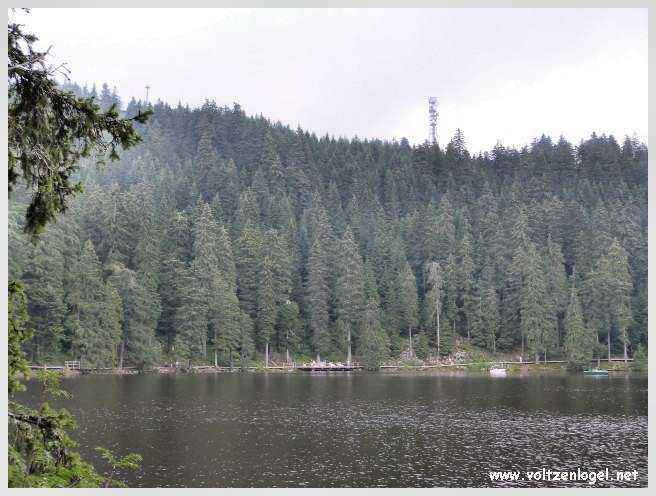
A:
(505, 75)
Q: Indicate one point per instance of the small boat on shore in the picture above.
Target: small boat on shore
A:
(497, 372)
(596, 372)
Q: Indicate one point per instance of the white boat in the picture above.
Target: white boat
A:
(496, 372)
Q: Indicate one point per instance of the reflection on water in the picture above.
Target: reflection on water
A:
(360, 429)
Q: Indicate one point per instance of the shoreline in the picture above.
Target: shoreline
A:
(513, 369)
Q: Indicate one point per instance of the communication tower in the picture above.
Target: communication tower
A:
(432, 119)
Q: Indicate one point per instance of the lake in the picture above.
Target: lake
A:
(361, 429)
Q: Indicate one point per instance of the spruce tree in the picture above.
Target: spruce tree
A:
(579, 339)
(94, 321)
(465, 279)
(537, 317)
(433, 301)
(44, 277)
(266, 307)
(317, 297)
(449, 307)
(608, 295)
(192, 321)
(248, 263)
(350, 296)
(225, 319)
(290, 326)
(556, 280)
(373, 344)
(407, 303)
(245, 340)
(141, 310)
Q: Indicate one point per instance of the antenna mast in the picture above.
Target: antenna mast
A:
(432, 119)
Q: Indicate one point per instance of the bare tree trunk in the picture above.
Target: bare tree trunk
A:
(438, 333)
(120, 355)
(412, 353)
(609, 345)
(287, 352)
(625, 352)
(216, 361)
(266, 355)
(348, 356)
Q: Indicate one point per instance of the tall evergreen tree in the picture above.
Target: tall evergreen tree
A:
(537, 318)
(373, 343)
(608, 294)
(290, 329)
(44, 277)
(408, 308)
(248, 262)
(94, 321)
(349, 289)
(266, 307)
(141, 310)
(579, 340)
(317, 297)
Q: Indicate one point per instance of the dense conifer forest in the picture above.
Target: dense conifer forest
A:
(226, 237)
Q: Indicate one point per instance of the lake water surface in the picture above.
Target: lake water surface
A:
(360, 429)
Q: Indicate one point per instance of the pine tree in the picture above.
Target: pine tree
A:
(485, 324)
(407, 303)
(141, 310)
(225, 319)
(449, 306)
(191, 320)
(373, 345)
(248, 212)
(465, 279)
(44, 278)
(349, 289)
(317, 297)
(94, 321)
(281, 259)
(516, 265)
(579, 340)
(446, 231)
(556, 280)
(245, 343)
(248, 261)
(290, 326)
(434, 310)
(608, 295)
(266, 307)
(537, 317)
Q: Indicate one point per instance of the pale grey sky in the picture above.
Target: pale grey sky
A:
(499, 74)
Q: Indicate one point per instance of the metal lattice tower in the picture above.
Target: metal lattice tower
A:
(432, 119)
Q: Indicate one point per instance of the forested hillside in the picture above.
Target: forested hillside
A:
(231, 234)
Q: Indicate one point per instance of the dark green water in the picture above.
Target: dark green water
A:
(361, 429)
